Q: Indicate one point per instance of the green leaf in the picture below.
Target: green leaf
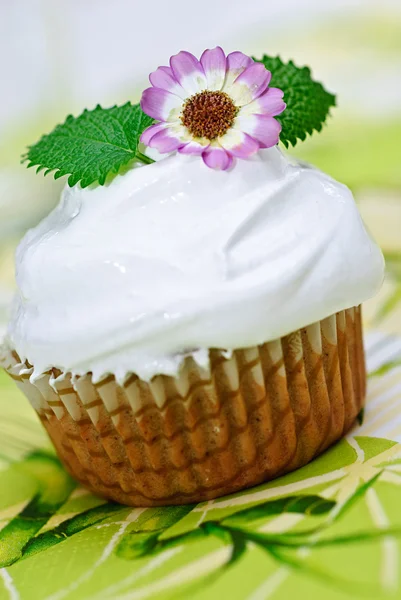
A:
(308, 505)
(195, 535)
(339, 510)
(355, 497)
(360, 536)
(361, 415)
(54, 487)
(70, 527)
(137, 544)
(308, 103)
(238, 549)
(238, 541)
(218, 530)
(92, 145)
(143, 537)
(307, 537)
(236, 537)
(160, 519)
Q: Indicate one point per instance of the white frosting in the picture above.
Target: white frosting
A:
(175, 258)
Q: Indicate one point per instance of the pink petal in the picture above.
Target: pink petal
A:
(250, 84)
(239, 144)
(164, 78)
(193, 148)
(165, 141)
(188, 72)
(270, 103)
(150, 132)
(214, 66)
(255, 74)
(159, 104)
(238, 62)
(266, 130)
(217, 158)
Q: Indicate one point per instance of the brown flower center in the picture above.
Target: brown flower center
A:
(208, 114)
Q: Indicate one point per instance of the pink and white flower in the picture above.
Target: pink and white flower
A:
(219, 107)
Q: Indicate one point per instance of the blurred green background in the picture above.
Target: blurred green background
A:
(61, 56)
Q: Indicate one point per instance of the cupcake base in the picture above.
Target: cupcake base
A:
(263, 412)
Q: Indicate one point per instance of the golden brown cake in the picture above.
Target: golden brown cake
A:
(264, 411)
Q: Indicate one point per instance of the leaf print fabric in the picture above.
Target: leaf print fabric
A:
(331, 529)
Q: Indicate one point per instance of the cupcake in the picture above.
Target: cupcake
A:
(192, 326)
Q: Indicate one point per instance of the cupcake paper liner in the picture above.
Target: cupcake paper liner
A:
(262, 412)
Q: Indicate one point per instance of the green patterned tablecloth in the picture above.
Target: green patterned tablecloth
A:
(331, 530)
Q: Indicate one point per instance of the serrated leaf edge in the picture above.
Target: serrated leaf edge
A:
(59, 172)
(293, 140)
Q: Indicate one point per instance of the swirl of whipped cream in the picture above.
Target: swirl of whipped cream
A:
(175, 258)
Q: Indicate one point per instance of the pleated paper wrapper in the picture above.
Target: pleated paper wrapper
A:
(251, 417)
